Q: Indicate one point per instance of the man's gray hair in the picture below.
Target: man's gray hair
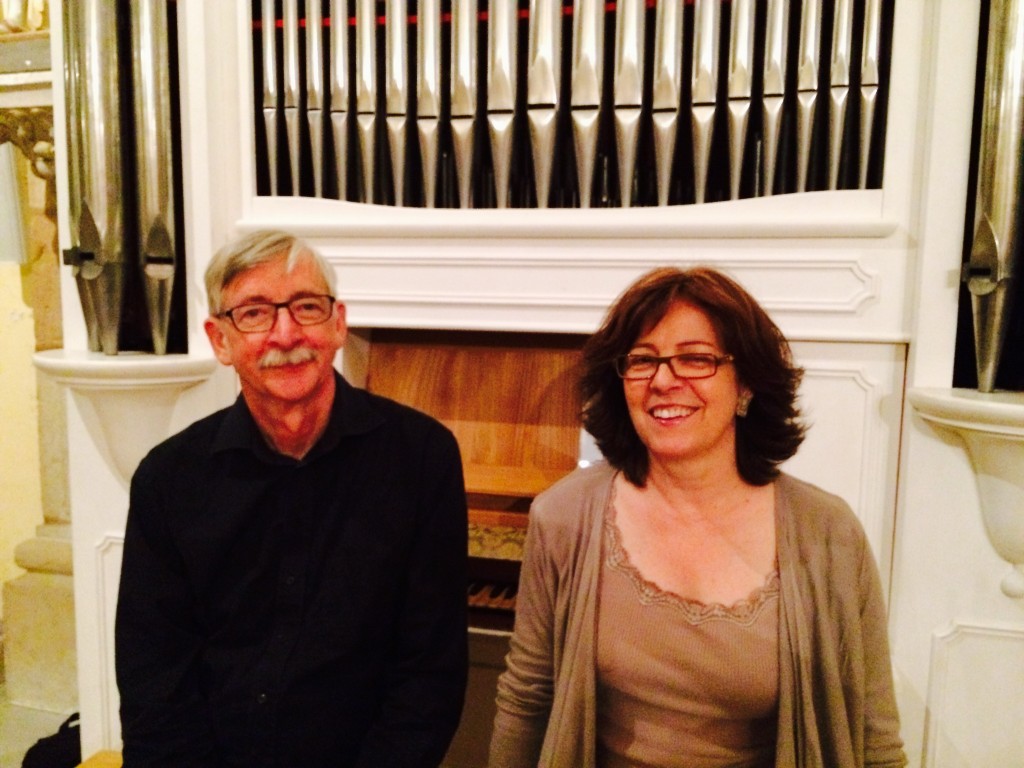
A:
(257, 248)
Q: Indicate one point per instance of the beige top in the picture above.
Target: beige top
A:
(837, 708)
(681, 683)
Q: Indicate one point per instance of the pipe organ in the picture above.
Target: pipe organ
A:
(442, 155)
(568, 103)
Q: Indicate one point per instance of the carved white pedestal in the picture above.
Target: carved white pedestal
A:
(991, 425)
(120, 407)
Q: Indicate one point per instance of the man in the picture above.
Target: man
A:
(293, 584)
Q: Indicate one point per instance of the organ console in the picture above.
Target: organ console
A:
(515, 440)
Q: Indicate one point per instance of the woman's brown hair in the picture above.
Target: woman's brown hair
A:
(771, 431)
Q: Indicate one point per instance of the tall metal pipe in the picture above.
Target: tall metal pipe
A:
(628, 90)
(428, 93)
(704, 91)
(667, 78)
(808, 63)
(154, 155)
(544, 78)
(991, 273)
(96, 190)
(271, 88)
(503, 28)
(775, 57)
(464, 93)
(340, 113)
(870, 76)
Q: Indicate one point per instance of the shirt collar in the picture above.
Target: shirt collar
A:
(352, 413)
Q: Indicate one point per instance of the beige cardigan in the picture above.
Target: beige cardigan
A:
(836, 703)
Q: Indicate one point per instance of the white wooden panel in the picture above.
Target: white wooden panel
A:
(108, 573)
(971, 721)
(851, 397)
(814, 290)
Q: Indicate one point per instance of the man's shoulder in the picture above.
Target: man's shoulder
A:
(397, 414)
(194, 440)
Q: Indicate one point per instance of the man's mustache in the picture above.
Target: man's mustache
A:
(275, 358)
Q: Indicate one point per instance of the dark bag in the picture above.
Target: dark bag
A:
(61, 750)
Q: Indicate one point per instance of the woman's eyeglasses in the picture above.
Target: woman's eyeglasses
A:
(688, 365)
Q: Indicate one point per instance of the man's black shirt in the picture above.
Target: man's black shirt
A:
(295, 613)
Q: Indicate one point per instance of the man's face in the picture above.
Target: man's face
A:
(290, 364)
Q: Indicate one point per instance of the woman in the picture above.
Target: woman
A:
(685, 603)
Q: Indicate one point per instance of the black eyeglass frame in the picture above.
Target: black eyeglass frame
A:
(278, 306)
(622, 362)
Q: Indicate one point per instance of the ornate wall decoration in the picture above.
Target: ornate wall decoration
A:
(31, 131)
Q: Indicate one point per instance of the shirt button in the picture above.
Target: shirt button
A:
(289, 580)
(261, 698)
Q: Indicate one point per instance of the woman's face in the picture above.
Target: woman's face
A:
(684, 419)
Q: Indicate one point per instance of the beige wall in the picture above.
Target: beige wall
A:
(21, 501)
(29, 320)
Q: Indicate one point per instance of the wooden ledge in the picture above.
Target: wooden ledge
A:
(105, 759)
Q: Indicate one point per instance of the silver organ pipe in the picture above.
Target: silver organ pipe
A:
(704, 88)
(783, 96)
(992, 272)
(122, 183)
(292, 91)
(776, 51)
(98, 234)
(396, 91)
(271, 91)
(842, 47)
(428, 94)
(666, 90)
(503, 28)
(586, 80)
(84, 270)
(154, 163)
(463, 93)
(366, 93)
(340, 111)
(741, 87)
(544, 78)
(315, 92)
(870, 69)
(808, 66)
(628, 88)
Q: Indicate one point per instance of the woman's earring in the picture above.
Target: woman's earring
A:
(743, 403)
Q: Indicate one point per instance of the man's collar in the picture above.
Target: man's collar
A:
(352, 413)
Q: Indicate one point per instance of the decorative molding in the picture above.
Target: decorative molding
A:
(870, 478)
(24, 16)
(948, 707)
(858, 286)
(823, 215)
(31, 131)
(107, 557)
(841, 287)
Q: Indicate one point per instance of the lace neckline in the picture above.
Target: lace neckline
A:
(744, 611)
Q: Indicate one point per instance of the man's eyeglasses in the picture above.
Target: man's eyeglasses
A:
(261, 317)
(688, 365)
